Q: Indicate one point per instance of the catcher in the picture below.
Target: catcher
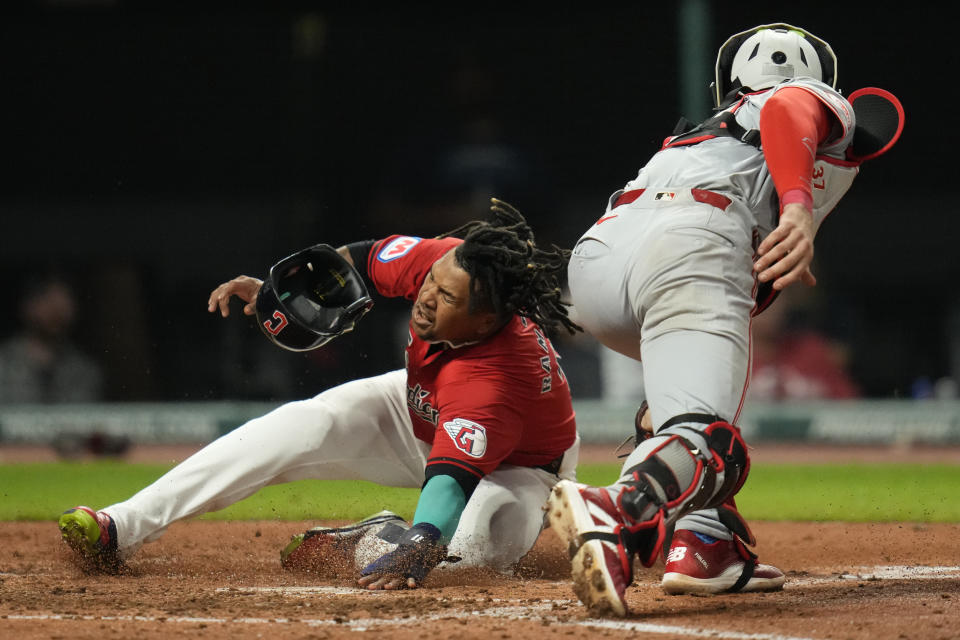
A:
(718, 222)
(481, 418)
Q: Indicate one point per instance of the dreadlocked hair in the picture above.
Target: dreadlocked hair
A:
(509, 273)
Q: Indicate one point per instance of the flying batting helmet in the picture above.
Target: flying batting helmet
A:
(310, 298)
(764, 56)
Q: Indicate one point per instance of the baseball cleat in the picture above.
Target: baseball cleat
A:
(701, 564)
(315, 547)
(588, 522)
(92, 536)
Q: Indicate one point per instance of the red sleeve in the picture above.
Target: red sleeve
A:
(398, 265)
(793, 123)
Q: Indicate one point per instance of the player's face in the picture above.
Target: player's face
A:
(441, 310)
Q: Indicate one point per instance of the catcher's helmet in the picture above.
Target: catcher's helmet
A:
(764, 56)
(310, 298)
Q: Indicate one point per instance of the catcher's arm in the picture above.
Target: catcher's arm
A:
(786, 254)
(792, 123)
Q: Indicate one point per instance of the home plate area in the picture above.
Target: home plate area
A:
(223, 580)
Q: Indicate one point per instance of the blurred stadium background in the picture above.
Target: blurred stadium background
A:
(154, 150)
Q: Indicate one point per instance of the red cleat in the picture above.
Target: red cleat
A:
(589, 523)
(696, 565)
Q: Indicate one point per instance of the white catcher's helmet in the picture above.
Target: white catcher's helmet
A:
(764, 56)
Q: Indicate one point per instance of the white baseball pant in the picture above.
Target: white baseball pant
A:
(359, 430)
(670, 283)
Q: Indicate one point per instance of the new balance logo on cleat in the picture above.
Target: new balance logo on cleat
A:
(697, 566)
(676, 554)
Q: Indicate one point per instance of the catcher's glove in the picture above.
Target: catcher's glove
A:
(310, 298)
(642, 429)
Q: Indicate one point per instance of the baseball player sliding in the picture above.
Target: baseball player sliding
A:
(481, 418)
(719, 220)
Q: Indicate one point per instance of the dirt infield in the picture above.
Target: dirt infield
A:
(223, 580)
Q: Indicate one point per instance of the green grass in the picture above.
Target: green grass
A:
(853, 493)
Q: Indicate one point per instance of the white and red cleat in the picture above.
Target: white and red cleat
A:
(589, 523)
(701, 564)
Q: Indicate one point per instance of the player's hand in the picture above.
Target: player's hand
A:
(244, 287)
(786, 254)
(386, 583)
(418, 552)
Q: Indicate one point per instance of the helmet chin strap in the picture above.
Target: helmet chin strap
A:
(732, 96)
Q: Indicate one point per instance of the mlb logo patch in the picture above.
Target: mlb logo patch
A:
(665, 195)
(469, 437)
(397, 248)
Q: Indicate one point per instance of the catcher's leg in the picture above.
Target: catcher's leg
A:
(709, 554)
(676, 472)
(680, 470)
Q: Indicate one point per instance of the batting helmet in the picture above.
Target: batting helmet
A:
(764, 56)
(310, 298)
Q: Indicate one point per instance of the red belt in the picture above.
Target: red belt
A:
(700, 195)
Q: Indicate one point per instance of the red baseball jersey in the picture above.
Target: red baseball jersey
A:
(503, 400)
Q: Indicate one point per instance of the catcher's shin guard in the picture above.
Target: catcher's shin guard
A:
(674, 477)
